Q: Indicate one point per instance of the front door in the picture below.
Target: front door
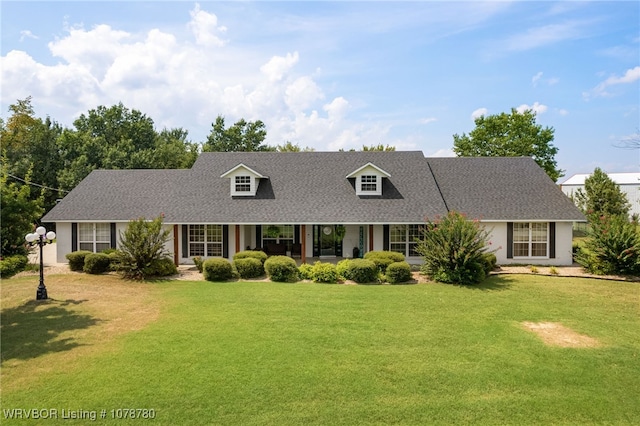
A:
(325, 243)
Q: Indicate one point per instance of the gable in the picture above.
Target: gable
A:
(243, 180)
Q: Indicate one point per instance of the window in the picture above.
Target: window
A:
(243, 183)
(402, 239)
(369, 183)
(530, 239)
(94, 237)
(205, 240)
(286, 236)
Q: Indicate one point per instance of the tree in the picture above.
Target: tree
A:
(19, 210)
(290, 147)
(378, 147)
(510, 135)
(601, 197)
(242, 136)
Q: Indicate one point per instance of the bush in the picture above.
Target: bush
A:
(217, 269)
(198, 261)
(11, 265)
(453, 249)
(142, 245)
(323, 272)
(248, 267)
(489, 262)
(160, 268)
(281, 269)
(398, 272)
(251, 254)
(76, 259)
(358, 270)
(383, 259)
(305, 271)
(96, 263)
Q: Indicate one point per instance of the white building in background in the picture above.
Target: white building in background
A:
(629, 184)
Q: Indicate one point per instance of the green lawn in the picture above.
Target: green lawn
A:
(268, 353)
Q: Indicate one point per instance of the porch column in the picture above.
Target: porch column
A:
(175, 245)
(370, 237)
(237, 238)
(303, 243)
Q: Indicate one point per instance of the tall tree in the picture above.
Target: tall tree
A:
(510, 135)
(601, 197)
(241, 136)
(290, 147)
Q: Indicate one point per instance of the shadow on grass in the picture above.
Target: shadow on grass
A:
(32, 329)
(492, 283)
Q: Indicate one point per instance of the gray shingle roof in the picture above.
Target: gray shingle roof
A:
(311, 187)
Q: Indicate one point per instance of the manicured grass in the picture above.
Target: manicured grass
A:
(268, 353)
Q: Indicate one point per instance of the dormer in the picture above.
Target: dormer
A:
(369, 179)
(244, 181)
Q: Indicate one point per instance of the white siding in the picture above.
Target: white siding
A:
(63, 241)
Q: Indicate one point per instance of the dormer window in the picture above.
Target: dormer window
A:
(244, 181)
(368, 179)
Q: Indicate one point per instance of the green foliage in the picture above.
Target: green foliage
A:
(248, 267)
(198, 261)
(613, 247)
(11, 265)
(141, 245)
(305, 271)
(383, 259)
(489, 261)
(601, 197)
(510, 135)
(217, 269)
(358, 270)
(254, 254)
(281, 269)
(398, 272)
(162, 267)
(324, 272)
(96, 263)
(453, 250)
(76, 259)
(242, 136)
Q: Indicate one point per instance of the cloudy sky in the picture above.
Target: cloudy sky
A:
(333, 75)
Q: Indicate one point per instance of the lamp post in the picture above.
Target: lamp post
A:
(41, 238)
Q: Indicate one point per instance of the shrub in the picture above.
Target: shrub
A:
(305, 271)
(11, 265)
(252, 254)
(489, 262)
(162, 267)
(613, 247)
(198, 261)
(281, 269)
(141, 246)
(76, 259)
(398, 272)
(248, 267)
(217, 269)
(553, 270)
(343, 268)
(323, 272)
(96, 263)
(358, 270)
(383, 259)
(453, 249)
(533, 269)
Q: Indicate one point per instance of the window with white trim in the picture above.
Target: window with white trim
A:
(94, 237)
(286, 236)
(205, 240)
(530, 239)
(243, 183)
(369, 183)
(403, 239)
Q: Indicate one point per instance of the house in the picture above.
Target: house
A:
(298, 203)
(629, 184)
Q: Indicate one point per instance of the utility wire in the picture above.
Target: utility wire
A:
(36, 184)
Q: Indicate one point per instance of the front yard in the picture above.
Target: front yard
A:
(247, 353)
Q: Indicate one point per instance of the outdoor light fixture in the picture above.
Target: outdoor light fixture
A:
(41, 238)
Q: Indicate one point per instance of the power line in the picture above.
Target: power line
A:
(36, 184)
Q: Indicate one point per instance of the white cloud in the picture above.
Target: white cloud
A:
(204, 26)
(428, 120)
(537, 108)
(479, 113)
(536, 78)
(601, 90)
(444, 152)
(547, 34)
(278, 66)
(302, 93)
(24, 34)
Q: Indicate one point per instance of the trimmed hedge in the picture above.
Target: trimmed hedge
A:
(305, 271)
(76, 259)
(248, 267)
(162, 267)
(358, 270)
(398, 272)
(323, 272)
(281, 269)
(217, 269)
(96, 263)
(251, 254)
(11, 265)
(383, 259)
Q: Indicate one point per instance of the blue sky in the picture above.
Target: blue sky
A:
(333, 75)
